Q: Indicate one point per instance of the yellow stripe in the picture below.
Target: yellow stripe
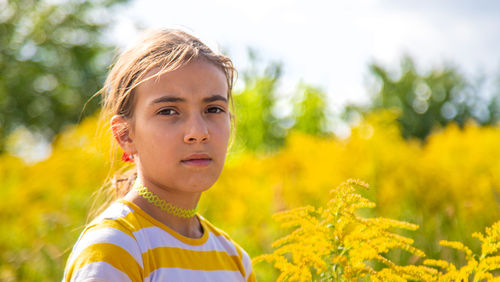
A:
(110, 224)
(240, 260)
(216, 231)
(240, 254)
(144, 220)
(170, 257)
(252, 278)
(110, 253)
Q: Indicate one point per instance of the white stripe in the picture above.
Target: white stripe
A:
(247, 263)
(113, 212)
(154, 237)
(99, 271)
(108, 235)
(189, 275)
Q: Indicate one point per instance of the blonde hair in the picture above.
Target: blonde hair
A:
(165, 50)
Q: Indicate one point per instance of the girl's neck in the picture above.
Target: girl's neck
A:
(188, 227)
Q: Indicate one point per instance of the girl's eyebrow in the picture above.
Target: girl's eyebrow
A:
(167, 99)
(171, 99)
(214, 98)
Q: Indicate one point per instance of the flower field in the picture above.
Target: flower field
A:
(428, 197)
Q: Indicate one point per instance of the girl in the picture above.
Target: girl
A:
(168, 100)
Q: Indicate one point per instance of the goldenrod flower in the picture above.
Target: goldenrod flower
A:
(335, 243)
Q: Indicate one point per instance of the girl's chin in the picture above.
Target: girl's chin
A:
(195, 187)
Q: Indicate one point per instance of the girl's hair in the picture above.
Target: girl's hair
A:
(165, 50)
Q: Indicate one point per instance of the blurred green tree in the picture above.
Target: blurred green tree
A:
(262, 119)
(436, 98)
(311, 111)
(256, 125)
(52, 60)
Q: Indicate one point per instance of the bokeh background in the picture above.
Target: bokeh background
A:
(403, 95)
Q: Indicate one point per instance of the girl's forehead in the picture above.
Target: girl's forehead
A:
(191, 65)
(198, 67)
(197, 78)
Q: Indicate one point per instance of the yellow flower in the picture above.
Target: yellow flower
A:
(335, 242)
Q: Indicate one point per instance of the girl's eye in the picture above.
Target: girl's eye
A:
(215, 110)
(167, 112)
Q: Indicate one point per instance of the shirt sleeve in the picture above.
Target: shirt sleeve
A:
(104, 254)
(251, 277)
(247, 264)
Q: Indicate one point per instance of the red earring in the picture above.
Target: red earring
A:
(126, 157)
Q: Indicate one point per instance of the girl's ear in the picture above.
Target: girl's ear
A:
(121, 129)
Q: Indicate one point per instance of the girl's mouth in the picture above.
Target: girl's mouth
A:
(197, 159)
(197, 162)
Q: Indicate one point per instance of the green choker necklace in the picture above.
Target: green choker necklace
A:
(152, 198)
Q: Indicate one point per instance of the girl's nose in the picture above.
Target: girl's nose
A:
(196, 131)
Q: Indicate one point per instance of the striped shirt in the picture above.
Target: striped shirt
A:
(126, 244)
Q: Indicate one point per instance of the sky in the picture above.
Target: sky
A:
(329, 44)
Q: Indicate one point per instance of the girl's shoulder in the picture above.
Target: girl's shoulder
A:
(221, 238)
(212, 228)
(106, 249)
(119, 215)
(220, 235)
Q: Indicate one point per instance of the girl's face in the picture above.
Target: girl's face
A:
(180, 129)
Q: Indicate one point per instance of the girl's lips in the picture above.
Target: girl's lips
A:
(197, 162)
(197, 159)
